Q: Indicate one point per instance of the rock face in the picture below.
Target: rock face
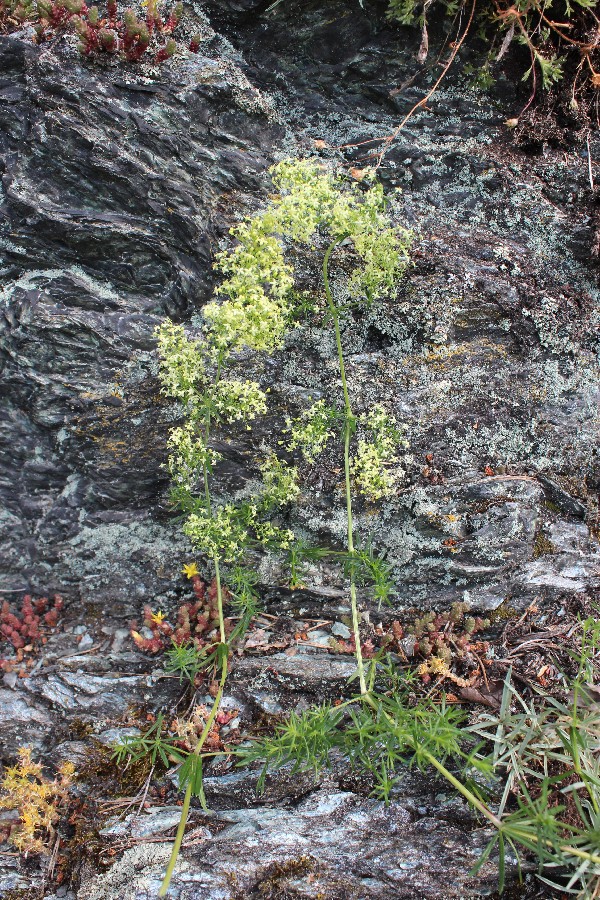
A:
(116, 190)
(322, 841)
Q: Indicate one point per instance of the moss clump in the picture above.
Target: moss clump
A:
(542, 546)
(100, 770)
(23, 894)
(271, 887)
(80, 729)
(503, 612)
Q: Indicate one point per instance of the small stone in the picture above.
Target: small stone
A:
(85, 643)
(567, 504)
(113, 736)
(10, 679)
(341, 630)
(267, 703)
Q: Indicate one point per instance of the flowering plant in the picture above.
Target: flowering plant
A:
(252, 309)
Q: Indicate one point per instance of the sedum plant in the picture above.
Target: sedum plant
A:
(123, 36)
(375, 465)
(38, 800)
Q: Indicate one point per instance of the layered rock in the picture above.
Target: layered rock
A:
(118, 184)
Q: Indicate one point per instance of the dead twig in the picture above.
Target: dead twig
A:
(389, 139)
(146, 789)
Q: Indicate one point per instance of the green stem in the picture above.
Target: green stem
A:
(467, 794)
(219, 600)
(185, 809)
(209, 505)
(347, 435)
(581, 854)
(526, 838)
(521, 836)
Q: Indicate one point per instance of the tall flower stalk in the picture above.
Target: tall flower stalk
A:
(315, 204)
(222, 532)
(349, 428)
(252, 309)
(380, 729)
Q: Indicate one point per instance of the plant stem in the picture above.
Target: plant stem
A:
(348, 429)
(526, 838)
(523, 837)
(219, 600)
(185, 809)
(207, 497)
(467, 794)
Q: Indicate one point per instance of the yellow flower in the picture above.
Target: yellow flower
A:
(158, 617)
(191, 569)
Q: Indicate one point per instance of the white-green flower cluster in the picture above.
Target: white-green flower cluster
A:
(279, 483)
(375, 466)
(227, 531)
(256, 310)
(307, 196)
(219, 533)
(272, 536)
(256, 305)
(231, 400)
(251, 310)
(313, 198)
(311, 431)
(181, 369)
(190, 455)
(381, 246)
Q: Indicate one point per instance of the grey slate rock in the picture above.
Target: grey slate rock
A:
(116, 192)
(22, 722)
(316, 847)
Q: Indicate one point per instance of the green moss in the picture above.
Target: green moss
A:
(542, 546)
(23, 894)
(271, 887)
(79, 729)
(503, 612)
(100, 769)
